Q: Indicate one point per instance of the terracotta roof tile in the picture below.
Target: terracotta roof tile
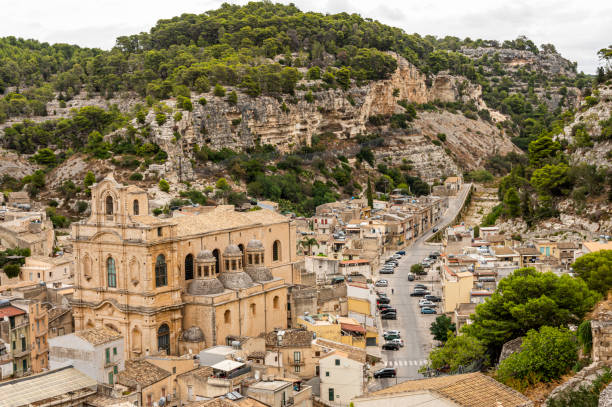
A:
(10, 311)
(291, 338)
(141, 372)
(472, 389)
(98, 336)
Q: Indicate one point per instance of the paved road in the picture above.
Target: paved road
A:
(413, 326)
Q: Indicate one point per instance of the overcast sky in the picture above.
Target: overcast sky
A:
(577, 28)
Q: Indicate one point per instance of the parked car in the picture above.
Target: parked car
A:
(383, 306)
(386, 271)
(383, 300)
(427, 303)
(399, 341)
(434, 255)
(385, 372)
(388, 310)
(427, 310)
(433, 298)
(424, 287)
(410, 277)
(418, 293)
(401, 252)
(392, 332)
(390, 346)
(380, 294)
(435, 230)
(389, 315)
(391, 337)
(382, 283)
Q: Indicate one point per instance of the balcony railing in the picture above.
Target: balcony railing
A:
(21, 352)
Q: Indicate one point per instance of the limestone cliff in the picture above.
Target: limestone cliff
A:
(292, 122)
(598, 152)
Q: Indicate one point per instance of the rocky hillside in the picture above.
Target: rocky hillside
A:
(269, 98)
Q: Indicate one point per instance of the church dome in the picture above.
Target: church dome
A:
(259, 273)
(193, 334)
(238, 280)
(232, 250)
(206, 286)
(205, 255)
(254, 245)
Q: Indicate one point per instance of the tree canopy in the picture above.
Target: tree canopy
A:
(596, 270)
(528, 299)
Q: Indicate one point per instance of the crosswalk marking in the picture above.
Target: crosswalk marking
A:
(400, 363)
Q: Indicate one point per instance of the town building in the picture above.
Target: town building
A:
(342, 378)
(280, 393)
(151, 279)
(23, 330)
(66, 387)
(96, 352)
(148, 382)
(290, 351)
(49, 270)
(27, 230)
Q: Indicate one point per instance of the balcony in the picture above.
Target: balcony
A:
(22, 352)
(297, 363)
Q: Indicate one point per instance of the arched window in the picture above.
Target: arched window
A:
(189, 267)
(111, 272)
(217, 261)
(136, 207)
(276, 251)
(275, 302)
(241, 247)
(163, 337)
(227, 317)
(109, 205)
(161, 272)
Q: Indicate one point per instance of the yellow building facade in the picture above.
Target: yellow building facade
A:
(194, 278)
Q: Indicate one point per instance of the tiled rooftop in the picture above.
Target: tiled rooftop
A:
(472, 389)
(98, 336)
(10, 311)
(141, 372)
(291, 338)
(528, 251)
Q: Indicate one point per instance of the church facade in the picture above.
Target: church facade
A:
(183, 283)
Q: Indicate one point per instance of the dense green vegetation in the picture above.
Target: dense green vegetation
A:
(527, 300)
(596, 270)
(537, 306)
(545, 355)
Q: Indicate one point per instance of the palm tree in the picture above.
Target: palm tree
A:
(309, 242)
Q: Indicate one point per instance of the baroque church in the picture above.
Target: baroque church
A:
(182, 283)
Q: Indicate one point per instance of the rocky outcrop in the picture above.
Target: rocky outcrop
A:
(605, 397)
(470, 141)
(583, 378)
(510, 348)
(513, 59)
(265, 120)
(14, 165)
(597, 154)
